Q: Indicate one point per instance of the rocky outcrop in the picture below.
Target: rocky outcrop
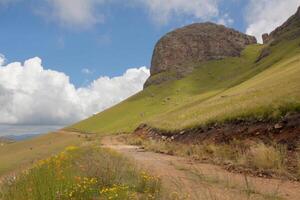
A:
(289, 29)
(195, 43)
(263, 54)
(266, 38)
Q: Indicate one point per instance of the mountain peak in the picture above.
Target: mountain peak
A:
(195, 43)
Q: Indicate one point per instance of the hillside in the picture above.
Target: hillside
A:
(218, 118)
(21, 154)
(261, 83)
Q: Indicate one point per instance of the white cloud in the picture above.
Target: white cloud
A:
(86, 13)
(2, 59)
(30, 94)
(74, 13)
(225, 20)
(86, 71)
(162, 11)
(263, 16)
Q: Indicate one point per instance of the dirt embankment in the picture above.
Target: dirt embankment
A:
(285, 131)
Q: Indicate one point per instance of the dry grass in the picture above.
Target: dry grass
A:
(267, 157)
(246, 188)
(133, 140)
(258, 156)
(161, 147)
(233, 188)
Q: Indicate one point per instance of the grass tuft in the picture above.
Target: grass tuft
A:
(267, 157)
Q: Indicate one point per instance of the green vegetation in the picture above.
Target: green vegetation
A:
(82, 173)
(18, 155)
(216, 91)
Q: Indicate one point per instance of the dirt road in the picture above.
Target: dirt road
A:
(193, 180)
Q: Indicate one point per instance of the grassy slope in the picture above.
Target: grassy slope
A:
(269, 93)
(17, 155)
(216, 90)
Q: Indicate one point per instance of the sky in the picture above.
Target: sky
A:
(64, 60)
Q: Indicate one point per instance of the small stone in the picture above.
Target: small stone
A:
(278, 126)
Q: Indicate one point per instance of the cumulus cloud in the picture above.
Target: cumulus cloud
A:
(75, 13)
(263, 16)
(162, 11)
(30, 94)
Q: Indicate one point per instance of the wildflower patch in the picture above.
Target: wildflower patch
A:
(82, 173)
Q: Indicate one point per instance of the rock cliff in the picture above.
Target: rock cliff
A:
(195, 43)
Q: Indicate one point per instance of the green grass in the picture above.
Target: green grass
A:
(19, 155)
(87, 172)
(216, 91)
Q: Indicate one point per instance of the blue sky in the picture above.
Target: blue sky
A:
(124, 39)
(63, 60)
